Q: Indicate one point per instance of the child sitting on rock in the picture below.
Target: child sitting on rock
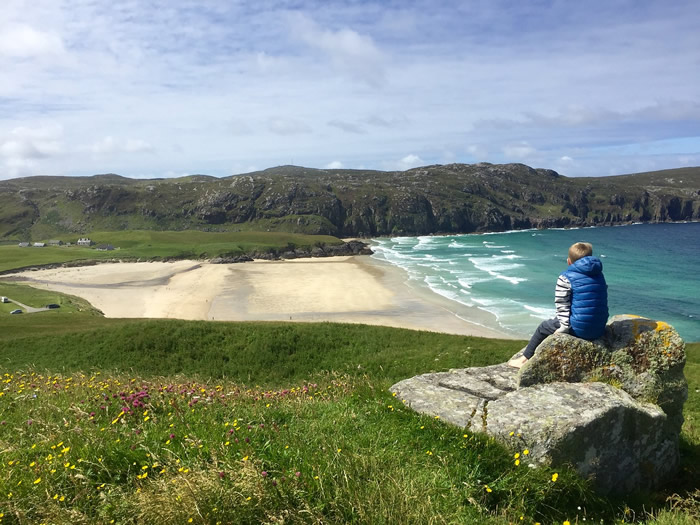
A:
(581, 298)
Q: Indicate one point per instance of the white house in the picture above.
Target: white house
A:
(84, 241)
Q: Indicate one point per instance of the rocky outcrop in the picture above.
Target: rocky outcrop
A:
(645, 358)
(453, 198)
(611, 408)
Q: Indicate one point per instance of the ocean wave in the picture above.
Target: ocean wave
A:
(427, 243)
(448, 294)
(540, 312)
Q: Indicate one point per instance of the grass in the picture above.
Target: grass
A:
(154, 245)
(168, 421)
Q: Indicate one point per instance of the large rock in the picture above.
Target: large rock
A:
(645, 358)
(611, 408)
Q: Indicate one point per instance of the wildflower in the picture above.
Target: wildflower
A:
(488, 489)
(517, 462)
(297, 473)
(37, 481)
(526, 452)
(516, 455)
(567, 522)
(263, 474)
(555, 476)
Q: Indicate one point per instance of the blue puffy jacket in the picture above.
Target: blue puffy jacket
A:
(589, 297)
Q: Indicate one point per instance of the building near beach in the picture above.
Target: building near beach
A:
(84, 241)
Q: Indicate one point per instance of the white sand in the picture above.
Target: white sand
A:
(343, 289)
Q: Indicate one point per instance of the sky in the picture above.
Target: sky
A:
(165, 88)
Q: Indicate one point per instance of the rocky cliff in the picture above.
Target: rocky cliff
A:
(455, 198)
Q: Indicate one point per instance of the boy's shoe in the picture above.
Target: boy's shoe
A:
(517, 362)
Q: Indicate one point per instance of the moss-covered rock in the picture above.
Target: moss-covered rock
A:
(643, 357)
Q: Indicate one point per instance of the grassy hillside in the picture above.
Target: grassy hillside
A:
(192, 422)
(454, 198)
(153, 245)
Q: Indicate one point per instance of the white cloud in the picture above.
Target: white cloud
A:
(410, 161)
(237, 86)
(566, 159)
(137, 146)
(522, 150)
(22, 148)
(478, 151)
(349, 51)
(109, 146)
(335, 165)
(23, 41)
(348, 127)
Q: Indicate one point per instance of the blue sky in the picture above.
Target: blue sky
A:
(151, 88)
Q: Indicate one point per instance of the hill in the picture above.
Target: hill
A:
(455, 198)
(159, 421)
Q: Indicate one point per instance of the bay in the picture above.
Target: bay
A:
(651, 270)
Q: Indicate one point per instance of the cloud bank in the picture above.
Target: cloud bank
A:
(189, 86)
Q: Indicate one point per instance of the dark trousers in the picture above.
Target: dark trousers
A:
(545, 329)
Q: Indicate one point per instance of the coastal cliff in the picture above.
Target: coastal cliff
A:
(455, 198)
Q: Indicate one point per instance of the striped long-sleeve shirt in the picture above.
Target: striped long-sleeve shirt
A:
(562, 300)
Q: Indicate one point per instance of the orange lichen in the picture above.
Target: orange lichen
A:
(660, 325)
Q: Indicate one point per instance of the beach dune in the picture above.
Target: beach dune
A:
(355, 289)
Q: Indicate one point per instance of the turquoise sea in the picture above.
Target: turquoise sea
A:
(652, 270)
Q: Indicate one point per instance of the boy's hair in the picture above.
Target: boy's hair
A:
(580, 249)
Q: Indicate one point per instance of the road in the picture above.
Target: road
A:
(28, 309)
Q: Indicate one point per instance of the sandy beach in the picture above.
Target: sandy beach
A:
(356, 289)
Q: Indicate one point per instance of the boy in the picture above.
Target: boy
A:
(581, 298)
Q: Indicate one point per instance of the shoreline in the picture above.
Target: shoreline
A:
(347, 289)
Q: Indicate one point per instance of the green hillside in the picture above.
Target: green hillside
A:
(165, 421)
(162, 245)
(455, 198)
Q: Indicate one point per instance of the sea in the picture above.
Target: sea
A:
(652, 270)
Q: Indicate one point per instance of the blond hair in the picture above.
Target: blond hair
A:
(580, 249)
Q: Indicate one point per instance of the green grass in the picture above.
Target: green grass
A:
(219, 404)
(153, 245)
